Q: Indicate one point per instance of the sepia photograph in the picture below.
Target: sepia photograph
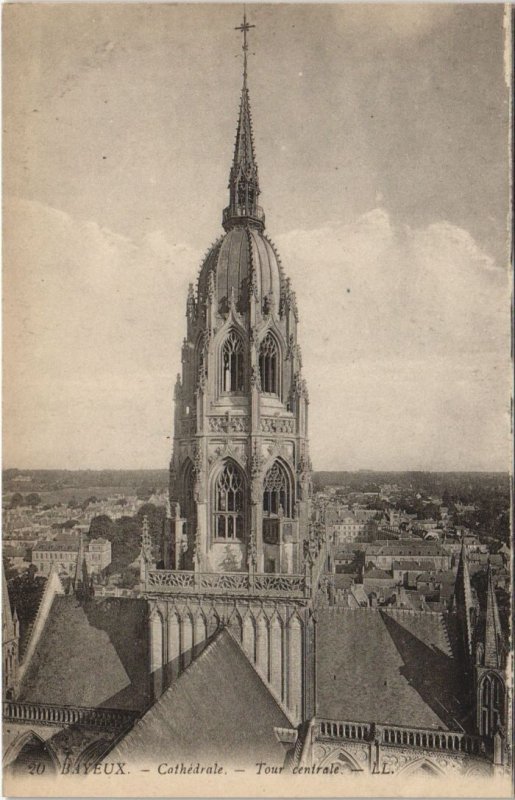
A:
(257, 386)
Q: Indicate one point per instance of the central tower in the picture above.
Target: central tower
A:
(240, 474)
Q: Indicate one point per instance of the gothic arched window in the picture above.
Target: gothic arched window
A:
(277, 499)
(492, 705)
(233, 367)
(229, 503)
(269, 365)
(189, 506)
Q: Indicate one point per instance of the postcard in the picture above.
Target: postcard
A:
(256, 492)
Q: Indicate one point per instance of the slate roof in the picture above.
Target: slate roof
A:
(375, 572)
(422, 565)
(91, 655)
(389, 667)
(343, 580)
(402, 549)
(218, 709)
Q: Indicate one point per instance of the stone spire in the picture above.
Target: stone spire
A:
(493, 633)
(463, 598)
(9, 620)
(146, 541)
(243, 179)
(81, 582)
(145, 559)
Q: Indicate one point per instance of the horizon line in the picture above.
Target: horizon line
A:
(470, 471)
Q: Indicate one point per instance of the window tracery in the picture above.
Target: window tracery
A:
(277, 498)
(229, 503)
(492, 701)
(232, 371)
(268, 365)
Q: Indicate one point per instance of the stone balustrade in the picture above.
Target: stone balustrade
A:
(31, 713)
(452, 741)
(391, 735)
(355, 731)
(226, 583)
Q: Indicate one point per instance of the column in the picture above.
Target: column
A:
(186, 640)
(276, 656)
(249, 639)
(200, 633)
(295, 668)
(262, 646)
(156, 654)
(174, 645)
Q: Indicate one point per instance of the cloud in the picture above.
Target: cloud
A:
(404, 331)
(93, 323)
(406, 344)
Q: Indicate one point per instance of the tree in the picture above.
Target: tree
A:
(25, 594)
(101, 527)
(33, 500)
(9, 570)
(129, 578)
(69, 524)
(16, 500)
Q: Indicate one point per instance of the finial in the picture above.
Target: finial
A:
(244, 189)
(244, 28)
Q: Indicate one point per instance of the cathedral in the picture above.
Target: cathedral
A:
(232, 647)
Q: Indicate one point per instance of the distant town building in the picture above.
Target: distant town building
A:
(347, 529)
(384, 553)
(64, 554)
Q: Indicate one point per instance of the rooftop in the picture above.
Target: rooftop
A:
(386, 667)
(421, 565)
(90, 655)
(218, 709)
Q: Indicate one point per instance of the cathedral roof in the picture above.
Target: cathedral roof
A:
(389, 667)
(463, 595)
(218, 709)
(493, 632)
(85, 657)
(243, 255)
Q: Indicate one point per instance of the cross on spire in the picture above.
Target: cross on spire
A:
(243, 179)
(244, 29)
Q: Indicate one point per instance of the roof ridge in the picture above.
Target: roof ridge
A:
(172, 689)
(267, 686)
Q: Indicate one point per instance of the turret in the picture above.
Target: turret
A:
(10, 644)
(490, 677)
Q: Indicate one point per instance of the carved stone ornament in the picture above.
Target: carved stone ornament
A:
(202, 377)
(256, 491)
(252, 551)
(256, 461)
(268, 303)
(197, 461)
(211, 285)
(291, 347)
(255, 378)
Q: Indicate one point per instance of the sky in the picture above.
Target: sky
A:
(381, 135)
